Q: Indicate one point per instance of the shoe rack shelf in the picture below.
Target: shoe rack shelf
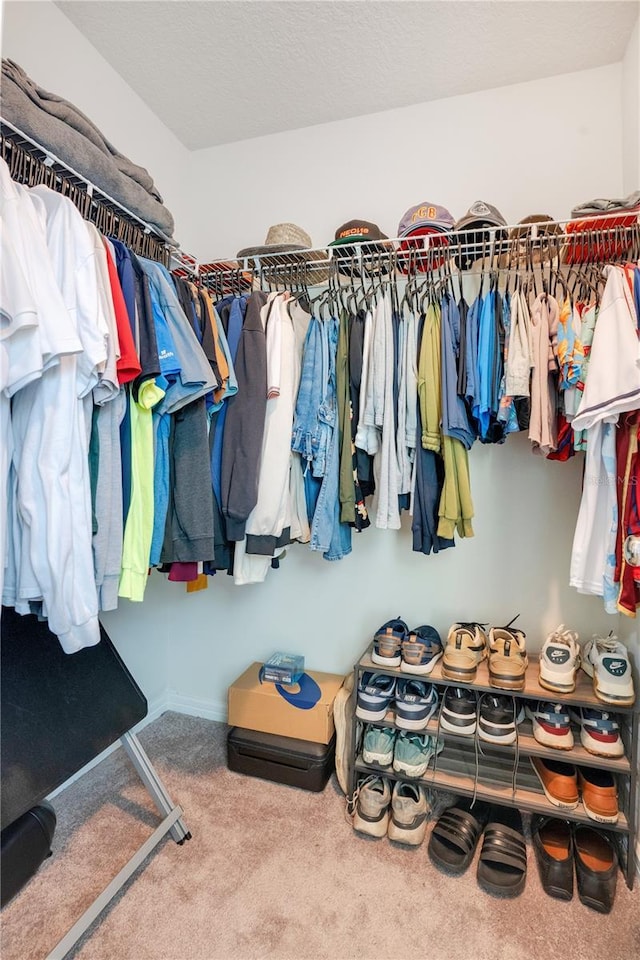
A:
(528, 746)
(582, 696)
(492, 776)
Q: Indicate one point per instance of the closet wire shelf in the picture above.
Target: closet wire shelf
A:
(546, 246)
(30, 163)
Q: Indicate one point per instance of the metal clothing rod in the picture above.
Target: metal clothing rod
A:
(172, 824)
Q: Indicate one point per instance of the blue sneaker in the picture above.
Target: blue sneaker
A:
(377, 746)
(413, 752)
(416, 703)
(375, 693)
(421, 650)
(387, 643)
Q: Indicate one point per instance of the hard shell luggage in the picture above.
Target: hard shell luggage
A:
(298, 763)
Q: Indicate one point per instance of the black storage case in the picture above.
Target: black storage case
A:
(298, 763)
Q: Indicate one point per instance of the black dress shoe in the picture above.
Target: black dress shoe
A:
(596, 867)
(553, 845)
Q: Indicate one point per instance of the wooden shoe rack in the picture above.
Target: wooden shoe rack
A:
(504, 773)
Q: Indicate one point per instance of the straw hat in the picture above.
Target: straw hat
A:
(287, 244)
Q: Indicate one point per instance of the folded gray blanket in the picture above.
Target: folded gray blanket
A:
(607, 206)
(63, 129)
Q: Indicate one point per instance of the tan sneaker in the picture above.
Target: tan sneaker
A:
(409, 811)
(508, 660)
(466, 648)
(371, 813)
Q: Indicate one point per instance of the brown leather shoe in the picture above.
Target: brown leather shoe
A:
(599, 794)
(559, 782)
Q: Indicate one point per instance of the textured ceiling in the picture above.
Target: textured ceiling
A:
(225, 70)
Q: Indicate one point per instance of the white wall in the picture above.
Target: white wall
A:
(516, 148)
(533, 147)
(631, 112)
(54, 53)
(536, 147)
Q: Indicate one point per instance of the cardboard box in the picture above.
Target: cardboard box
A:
(301, 710)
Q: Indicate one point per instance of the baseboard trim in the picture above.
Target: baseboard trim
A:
(193, 707)
(155, 710)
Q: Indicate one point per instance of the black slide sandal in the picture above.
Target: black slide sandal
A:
(455, 835)
(502, 867)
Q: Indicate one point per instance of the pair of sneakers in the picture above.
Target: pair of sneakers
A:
(408, 753)
(493, 717)
(604, 659)
(413, 700)
(599, 730)
(416, 651)
(468, 645)
(400, 812)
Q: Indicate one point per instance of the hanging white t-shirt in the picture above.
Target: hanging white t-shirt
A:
(73, 259)
(26, 226)
(108, 386)
(612, 387)
(20, 363)
(613, 383)
(52, 489)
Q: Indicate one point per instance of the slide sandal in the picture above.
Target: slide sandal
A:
(455, 835)
(502, 867)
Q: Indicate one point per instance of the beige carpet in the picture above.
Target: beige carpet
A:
(274, 872)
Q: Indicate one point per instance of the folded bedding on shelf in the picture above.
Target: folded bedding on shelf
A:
(62, 128)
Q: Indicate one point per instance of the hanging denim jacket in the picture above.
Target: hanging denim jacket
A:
(314, 415)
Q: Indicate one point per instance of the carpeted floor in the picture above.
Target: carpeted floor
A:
(274, 872)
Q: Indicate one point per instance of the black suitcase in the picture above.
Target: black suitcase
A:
(298, 763)
(25, 843)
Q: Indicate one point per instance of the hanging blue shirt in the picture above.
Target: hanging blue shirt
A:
(471, 355)
(486, 363)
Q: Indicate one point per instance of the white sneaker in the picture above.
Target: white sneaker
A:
(409, 810)
(559, 661)
(606, 660)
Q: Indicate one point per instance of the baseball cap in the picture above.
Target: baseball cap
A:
(421, 220)
(476, 228)
(425, 218)
(358, 231)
